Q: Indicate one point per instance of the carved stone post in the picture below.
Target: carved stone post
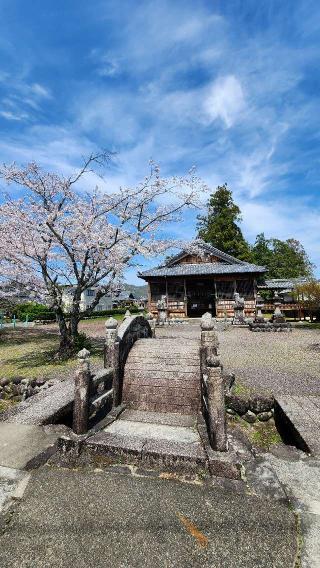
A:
(116, 374)
(81, 394)
(216, 405)
(152, 322)
(111, 335)
(209, 340)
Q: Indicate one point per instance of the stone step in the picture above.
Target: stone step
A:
(150, 445)
(171, 419)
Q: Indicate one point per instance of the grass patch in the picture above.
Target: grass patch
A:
(239, 389)
(5, 404)
(31, 354)
(99, 319)
(263, 435)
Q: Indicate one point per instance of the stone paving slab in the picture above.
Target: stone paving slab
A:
(169, 418)
(148, 430)
(303, 412)
(84, 519)
(301, 478)
(12, 485)
(44, 407)
(152, 438)
(22, 444)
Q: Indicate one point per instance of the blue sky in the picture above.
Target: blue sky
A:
(229, 86)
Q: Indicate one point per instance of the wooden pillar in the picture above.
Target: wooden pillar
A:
(81, 394)
(216, 296)
(167, 297)
(185, 298)
(149, 297)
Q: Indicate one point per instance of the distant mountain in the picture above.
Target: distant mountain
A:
(137, 291)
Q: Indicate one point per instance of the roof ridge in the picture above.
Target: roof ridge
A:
(208, 248)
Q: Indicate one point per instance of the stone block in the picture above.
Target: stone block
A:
(261, 404)
(238, 404)
(224, 464)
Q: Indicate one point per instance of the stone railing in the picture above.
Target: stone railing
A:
(212, 385)
(94, 392)
(131, 329)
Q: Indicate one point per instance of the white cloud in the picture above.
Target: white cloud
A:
(225, 100)
(40, 91)
(9, 115)
(106, 65)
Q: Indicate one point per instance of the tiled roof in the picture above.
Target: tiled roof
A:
(211, 250)
(202, 269)
(279, 283)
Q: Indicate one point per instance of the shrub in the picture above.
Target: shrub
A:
(82, 342)
(34, 311)
(113, 312)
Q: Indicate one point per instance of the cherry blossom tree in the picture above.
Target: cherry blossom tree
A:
(56, 235)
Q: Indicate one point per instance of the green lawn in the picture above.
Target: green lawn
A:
(118, 317)
(31, 354)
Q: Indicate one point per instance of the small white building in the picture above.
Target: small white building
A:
(86, 300)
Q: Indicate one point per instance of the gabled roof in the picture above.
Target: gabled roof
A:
(205, 268)
(208, 250)
(283, 283)
(228, 265)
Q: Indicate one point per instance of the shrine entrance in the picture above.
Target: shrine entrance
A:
(200, 297)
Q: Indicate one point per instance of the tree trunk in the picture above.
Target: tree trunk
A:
(66, 342)
(68, 327)
(73, 325)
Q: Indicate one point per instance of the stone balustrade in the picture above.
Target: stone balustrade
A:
(94, 392)
(212, 385)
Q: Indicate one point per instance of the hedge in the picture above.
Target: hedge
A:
(114, 312)
(39, 312)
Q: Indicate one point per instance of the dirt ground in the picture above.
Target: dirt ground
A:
(286, 363)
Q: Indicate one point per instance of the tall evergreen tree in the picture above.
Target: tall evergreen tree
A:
(220, 226)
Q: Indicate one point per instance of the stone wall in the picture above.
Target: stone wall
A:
(251, 409)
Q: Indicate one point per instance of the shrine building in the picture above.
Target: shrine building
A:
(194, 284)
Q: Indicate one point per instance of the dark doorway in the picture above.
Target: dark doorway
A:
(201, 298)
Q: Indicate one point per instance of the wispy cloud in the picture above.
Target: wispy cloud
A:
(231, 87)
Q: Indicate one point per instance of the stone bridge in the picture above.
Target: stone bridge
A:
(168, 394)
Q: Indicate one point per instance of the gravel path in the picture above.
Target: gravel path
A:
(286, 363)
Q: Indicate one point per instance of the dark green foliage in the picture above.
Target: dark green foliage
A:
(115, 311)
(34, 311)
(220, 226)
(81, 341)
(283, 259)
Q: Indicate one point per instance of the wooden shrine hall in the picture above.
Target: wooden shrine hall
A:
(195, 284)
